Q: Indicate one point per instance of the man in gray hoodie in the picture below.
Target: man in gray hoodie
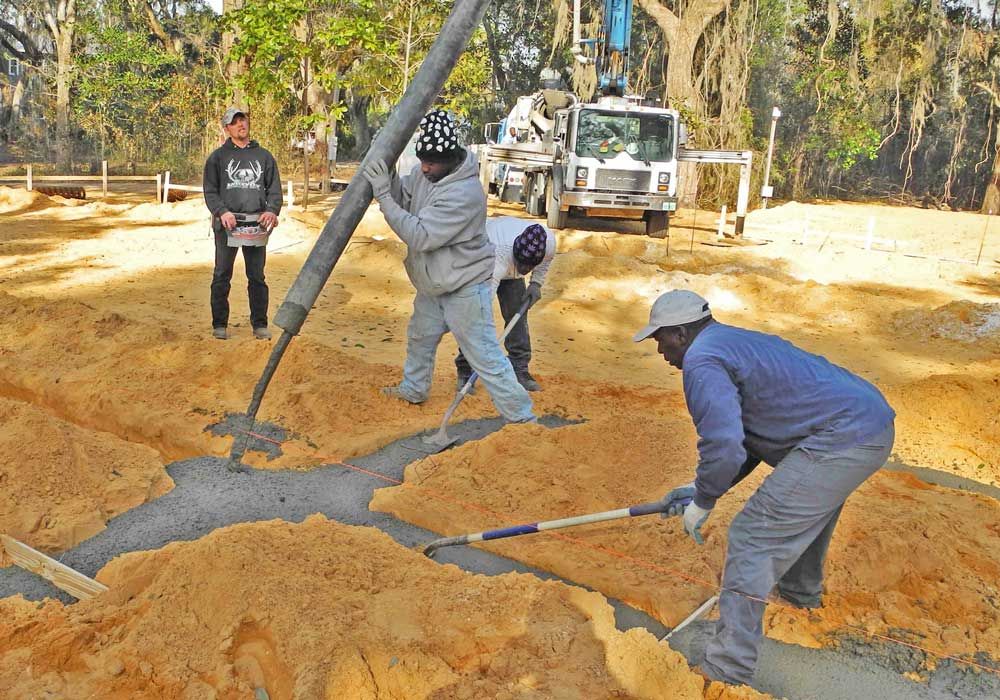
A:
(439, 211)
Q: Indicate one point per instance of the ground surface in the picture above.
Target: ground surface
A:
(107, 373)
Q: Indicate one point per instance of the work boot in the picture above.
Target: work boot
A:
(393, 392)
(803, 602)
(220, 332)
(463, 378)
(262, 333)
(525, 379)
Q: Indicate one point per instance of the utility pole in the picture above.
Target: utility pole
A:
(766, 191)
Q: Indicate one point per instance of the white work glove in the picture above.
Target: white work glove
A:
(377, 173)
(533, 293)
(694, 518)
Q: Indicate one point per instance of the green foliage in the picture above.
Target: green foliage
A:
(276, 38)
(120, 78)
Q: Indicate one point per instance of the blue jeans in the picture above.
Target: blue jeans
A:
(511, 294)
(781, 537)
(468, 314)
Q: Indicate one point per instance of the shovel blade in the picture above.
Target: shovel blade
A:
(439, 440)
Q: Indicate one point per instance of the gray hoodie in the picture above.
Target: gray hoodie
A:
(444, 227)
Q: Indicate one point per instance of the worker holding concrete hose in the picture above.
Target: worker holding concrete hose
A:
(756, 397)
(439, 211)
(520, 247)
(243, 191)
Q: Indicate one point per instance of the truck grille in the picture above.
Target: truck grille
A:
(622, 180)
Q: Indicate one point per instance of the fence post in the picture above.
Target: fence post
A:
(29, 183)
(104, 178)
(159, 197)
(291, 196)
(871, 233)
(722, 224)
(166, 187)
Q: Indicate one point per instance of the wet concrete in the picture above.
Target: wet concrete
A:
(207, 496)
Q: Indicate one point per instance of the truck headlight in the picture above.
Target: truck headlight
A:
(664, 178)
(581, 177)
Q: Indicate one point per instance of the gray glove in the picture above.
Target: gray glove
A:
(694, 518)
(675, 501)
(377, 173)
(533, 293)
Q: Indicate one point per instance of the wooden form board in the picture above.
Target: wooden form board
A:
(60, 575)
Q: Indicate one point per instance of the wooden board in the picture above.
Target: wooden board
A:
(60, 575)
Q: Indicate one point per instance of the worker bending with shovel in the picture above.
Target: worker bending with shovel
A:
(756, 397)
(439, 211)
(520, 247)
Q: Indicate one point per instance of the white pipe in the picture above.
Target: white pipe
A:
(577, 49)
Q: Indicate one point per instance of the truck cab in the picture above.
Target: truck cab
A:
(615, 159)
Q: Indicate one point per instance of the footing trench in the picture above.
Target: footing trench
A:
(207, 497)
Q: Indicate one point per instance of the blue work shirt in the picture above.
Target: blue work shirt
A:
(756, 396)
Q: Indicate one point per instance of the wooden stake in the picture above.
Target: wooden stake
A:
(104, 178)
(60, 575)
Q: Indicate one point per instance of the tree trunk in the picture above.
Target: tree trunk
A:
(232, 68)
(991, 199)
(358, 114)
(681, 35)
(62, 23)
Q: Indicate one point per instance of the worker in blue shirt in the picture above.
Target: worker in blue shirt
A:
(757, 398)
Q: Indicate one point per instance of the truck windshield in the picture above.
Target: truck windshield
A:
(641, 135)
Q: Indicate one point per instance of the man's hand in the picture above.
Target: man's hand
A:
(675, 501)
(694, 518)
(268, 220)
(533, 293)
(377, 173)
(228, 221)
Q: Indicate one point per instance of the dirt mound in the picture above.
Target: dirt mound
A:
(963, 321)
(292, 609)
(951, 421)
(529, 473)
(161, 387)
(60, 484)
(16, 199)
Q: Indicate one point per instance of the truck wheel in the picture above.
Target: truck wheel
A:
(657, 224)
(555, 218)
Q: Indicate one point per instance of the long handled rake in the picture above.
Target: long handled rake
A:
(531, 528)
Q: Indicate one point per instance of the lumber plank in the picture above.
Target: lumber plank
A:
(60, 575)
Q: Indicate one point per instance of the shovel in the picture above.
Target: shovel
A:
(531, 528)
(440, 440)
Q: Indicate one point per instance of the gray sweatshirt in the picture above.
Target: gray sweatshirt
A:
(444, 227)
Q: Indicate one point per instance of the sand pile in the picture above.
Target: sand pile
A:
(60, 483)
(951, 421)
(292, 609)
(963, 321)
(943, 591)
(16, 199)
(150, 384)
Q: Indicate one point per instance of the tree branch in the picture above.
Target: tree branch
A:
(30, 53)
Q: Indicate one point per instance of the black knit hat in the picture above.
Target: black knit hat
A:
(529, 246)
(438, 141)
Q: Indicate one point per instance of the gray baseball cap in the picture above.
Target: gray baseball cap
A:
(674, 308)
(230, 114)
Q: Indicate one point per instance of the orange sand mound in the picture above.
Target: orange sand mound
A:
(152, 384)
(906, 554)
(292, 609)
(952, 420)
(60, 484)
